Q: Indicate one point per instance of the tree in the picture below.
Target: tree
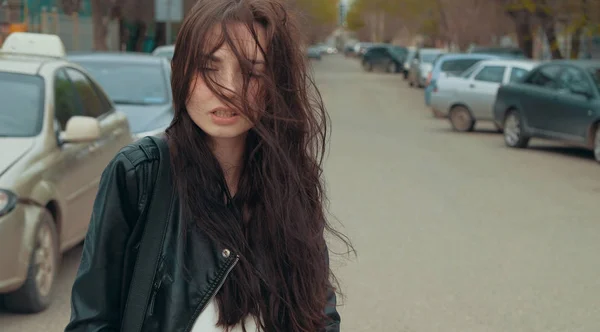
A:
(575, 16)
(318, 17)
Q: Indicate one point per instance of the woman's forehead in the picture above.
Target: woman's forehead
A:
(241, 38)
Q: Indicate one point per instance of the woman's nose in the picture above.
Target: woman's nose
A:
(232, 82)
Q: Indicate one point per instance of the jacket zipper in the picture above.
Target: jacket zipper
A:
(215, 289)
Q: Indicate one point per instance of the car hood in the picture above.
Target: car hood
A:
(13, 148)
(146, 117)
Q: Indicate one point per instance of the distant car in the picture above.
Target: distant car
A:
(558, 100)
(451, 64)
(349, 50)
(412, 51)
(361, 48)
(314, 52)
(165, 51)
(58, 131)
(501, 51)
(421, 65)
(387, 57)
(139, 84)
(470, 97)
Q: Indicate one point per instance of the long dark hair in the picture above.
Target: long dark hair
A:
(278, 225)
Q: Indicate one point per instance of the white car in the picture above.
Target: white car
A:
(165, 51)
(469, 97)
(58, 131)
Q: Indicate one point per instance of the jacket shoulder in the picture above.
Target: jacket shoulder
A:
(140, 152)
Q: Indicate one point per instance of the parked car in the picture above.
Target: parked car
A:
(470, 97)
(349, 50)
(361, 48)
(166, 51)
(387, 57)
(514, 52)
(451, 64)
(559, 100)
(421, 65)
(412, 51)
(314, 52)
(139, 84)
(58, 131)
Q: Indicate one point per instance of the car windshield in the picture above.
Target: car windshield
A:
(429, 57)
(457, 66)
(129, 82)
(595, 73)
(22, 99)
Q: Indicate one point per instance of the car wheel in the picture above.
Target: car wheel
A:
(461, 119)
(36, 293)
(514, 135)
(367, 66)
(597, 144)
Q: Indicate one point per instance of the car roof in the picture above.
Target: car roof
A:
(431, 50)
(456, 56)
(24, 64)
(509, 62)
(165, 48)
(581, 63)
(126, 57)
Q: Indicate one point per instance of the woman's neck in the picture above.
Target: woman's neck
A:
(230, 153)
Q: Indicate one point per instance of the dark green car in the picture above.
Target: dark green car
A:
(557, 100)
(387, 57)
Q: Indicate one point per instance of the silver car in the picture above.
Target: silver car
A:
(421, 65)
(58, 131)
(469, 97)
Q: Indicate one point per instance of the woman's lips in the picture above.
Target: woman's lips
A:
(224, 116)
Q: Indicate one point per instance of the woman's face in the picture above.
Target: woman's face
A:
(208, 112)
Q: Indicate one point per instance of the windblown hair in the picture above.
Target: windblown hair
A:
(276, 221)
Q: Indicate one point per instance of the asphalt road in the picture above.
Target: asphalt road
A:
(454, 232)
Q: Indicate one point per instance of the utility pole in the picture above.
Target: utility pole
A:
(168, 23)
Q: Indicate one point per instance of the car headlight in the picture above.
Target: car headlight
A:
(8, 201)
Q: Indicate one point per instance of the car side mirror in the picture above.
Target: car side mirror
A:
(81, 129)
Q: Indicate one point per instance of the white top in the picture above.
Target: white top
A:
(207, 321)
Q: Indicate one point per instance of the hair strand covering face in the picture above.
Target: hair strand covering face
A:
(282, 276)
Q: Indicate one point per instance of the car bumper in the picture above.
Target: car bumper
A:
(17, 230)
(438, 103)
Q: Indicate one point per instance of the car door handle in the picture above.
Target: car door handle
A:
(471, 86)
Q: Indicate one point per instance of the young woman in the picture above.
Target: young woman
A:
(244, 247)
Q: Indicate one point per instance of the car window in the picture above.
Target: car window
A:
(429, 57)
(517, 74)
(133, 83)
(376, 52)
(457, 66)
(574, 79)
(65, 99)
(494, 74)
(545, 76)
(90, 101)
(469, 72)
(595, 73)
(21, 113)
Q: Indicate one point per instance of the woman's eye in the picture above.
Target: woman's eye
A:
(208, 69)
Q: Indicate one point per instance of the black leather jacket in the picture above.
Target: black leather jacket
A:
(102, 283)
